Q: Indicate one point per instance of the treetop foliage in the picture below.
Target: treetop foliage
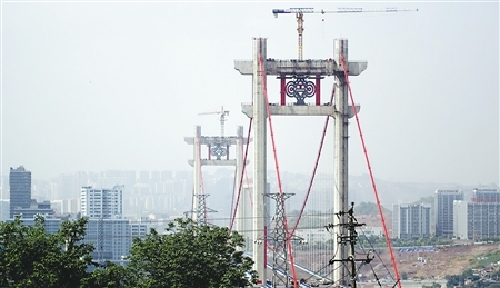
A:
(208, 256)
(187, 255)
(31, 257)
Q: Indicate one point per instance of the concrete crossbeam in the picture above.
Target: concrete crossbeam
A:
(306, 67)
(247, 109)
(215, 162)
(224, 141)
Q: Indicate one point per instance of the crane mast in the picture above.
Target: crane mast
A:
(299, 12)
(223, 113)
(300, 29)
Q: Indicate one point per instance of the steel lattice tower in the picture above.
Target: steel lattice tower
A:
(202, 209)
(278, 241)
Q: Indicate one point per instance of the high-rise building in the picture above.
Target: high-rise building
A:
(485, 195)
(443, 211)
(101, 203)
(479, 218)
(110, 237)
(144, 176)
(166, 175)
(411, 221)
(460, 219)
(20, 189)
(155, 176)
(138, 230)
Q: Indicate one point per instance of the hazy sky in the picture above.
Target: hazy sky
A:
(97, 86)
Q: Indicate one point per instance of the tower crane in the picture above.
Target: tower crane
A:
(299, 13)
(223, 113)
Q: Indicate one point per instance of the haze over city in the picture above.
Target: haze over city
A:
(115, 85)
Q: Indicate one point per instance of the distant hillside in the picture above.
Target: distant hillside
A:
(390, 193)
(424, 200)
(370, 209)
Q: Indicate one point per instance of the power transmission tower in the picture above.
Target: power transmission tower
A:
(279, 240)
(201, 209)
(349, 240)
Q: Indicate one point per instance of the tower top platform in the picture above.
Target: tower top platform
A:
(309, 67)
(211, 140)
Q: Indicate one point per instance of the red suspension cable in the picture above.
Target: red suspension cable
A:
(325, 129)
(246, 174)
(241, 179)
(374, 186)
(233, 192)
(278, 175)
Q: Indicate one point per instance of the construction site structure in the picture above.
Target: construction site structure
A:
(217, 155)
(295, 77)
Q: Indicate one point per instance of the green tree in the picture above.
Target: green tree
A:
(191, 255)
(31, 257)
(467, 273)
(454, 280)
(110, 275)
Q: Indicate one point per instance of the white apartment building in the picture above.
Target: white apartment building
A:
(411, 221)
(101, 203)
(460, 219)
(479, 218)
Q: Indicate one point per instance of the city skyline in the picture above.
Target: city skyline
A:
(110, 85)
(69, 185)
(139, 174)
(100, 198)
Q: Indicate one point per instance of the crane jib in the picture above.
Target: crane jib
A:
(339, 10)
(293, 10)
